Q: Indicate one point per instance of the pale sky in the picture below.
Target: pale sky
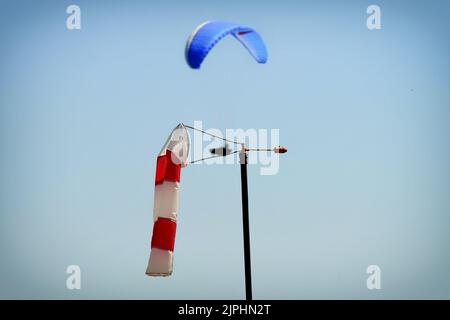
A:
(365, 115)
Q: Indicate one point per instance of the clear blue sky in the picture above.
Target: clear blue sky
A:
(365, 115)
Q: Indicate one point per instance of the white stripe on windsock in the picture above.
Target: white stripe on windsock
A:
(166, 200)
(160, 263)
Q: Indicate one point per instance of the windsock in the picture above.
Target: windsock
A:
(173, 156)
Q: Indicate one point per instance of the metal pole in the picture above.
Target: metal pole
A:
(245, 224)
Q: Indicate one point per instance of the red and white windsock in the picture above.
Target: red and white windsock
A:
(173, 156)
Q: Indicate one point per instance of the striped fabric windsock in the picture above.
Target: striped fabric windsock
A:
(171, 159)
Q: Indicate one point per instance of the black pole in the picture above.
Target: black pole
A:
(246, 227)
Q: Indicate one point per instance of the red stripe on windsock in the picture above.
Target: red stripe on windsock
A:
(166, 169)
(164, 234)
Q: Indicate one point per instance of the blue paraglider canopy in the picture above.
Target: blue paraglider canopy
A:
(206, 35)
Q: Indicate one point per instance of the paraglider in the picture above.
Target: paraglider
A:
(209, 33)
